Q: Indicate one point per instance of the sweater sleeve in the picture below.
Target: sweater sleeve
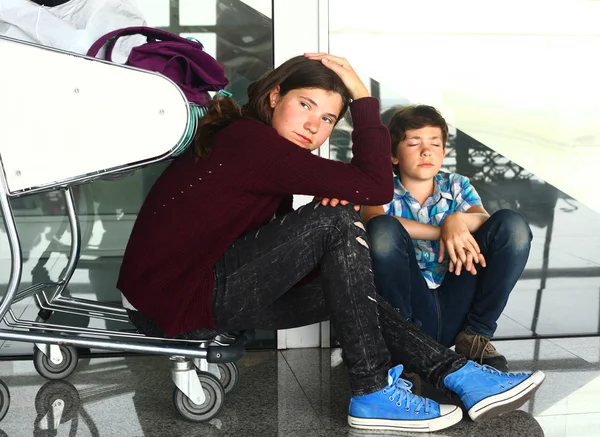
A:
(279, 167)
(286, 206)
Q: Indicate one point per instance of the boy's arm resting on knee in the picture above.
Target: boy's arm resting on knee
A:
(469, 205)
(474, 217)
(420, 231)
(416, 230)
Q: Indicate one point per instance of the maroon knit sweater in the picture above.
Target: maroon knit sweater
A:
(198, 208)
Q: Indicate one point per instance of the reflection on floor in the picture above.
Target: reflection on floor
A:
(290, 393)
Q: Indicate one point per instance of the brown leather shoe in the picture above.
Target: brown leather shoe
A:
(415, 380)
(480, 349)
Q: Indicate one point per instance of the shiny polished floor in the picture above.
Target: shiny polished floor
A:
(290, 393)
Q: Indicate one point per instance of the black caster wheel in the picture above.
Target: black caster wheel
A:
(4, 399)
(58, 391)
(215, 397)
(52, 371)
(230, 376)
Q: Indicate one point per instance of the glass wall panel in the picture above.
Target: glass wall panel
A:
(518, 84)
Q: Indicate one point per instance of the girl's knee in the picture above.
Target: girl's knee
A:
(340, 213)
(345, 220)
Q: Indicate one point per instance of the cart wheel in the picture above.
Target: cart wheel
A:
(230, 375)
(4, 399)
(49, 370)
(61, 391)
(215, 397)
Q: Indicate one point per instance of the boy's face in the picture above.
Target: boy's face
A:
(421, 154)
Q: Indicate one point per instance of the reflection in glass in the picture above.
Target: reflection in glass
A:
(505, 86)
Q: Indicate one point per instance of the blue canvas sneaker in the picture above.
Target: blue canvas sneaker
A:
(487, 392)
(396, 408)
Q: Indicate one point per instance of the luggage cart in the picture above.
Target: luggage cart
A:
(88, 120)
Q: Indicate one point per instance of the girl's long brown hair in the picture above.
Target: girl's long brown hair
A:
(298, 72)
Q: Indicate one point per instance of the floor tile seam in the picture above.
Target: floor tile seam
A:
(572, 363)
(304, 392)
(539, 416)
(517, 322)
(567, 350)
(582, 258)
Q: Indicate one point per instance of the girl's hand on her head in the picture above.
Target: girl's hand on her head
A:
(345, 71)
(334, 202)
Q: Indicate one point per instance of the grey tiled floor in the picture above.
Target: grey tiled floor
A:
(290, 393)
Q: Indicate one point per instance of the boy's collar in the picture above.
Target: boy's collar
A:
(398, 187)
(438, 180)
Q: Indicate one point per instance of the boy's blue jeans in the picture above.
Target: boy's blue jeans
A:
(465, 302)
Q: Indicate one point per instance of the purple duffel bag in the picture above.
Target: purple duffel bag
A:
(182, 60)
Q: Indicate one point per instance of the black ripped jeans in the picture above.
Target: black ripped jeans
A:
(263, 281)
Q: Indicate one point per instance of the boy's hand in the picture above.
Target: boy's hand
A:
(456, 239)
(334, 202)
(469, 266)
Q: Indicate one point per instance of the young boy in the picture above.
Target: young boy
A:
(438, 257)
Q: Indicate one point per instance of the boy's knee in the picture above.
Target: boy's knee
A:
(514, 226)
(386, 235)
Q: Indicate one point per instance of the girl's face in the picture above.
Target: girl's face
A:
(305, 116)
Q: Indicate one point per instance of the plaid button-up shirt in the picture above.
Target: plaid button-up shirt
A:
(452, 192)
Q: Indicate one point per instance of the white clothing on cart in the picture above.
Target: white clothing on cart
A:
(72, 26)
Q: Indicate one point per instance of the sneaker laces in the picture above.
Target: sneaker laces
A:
(402, 388)
(483, 342)
(493, 370)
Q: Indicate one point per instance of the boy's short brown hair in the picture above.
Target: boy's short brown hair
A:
(404, 118)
